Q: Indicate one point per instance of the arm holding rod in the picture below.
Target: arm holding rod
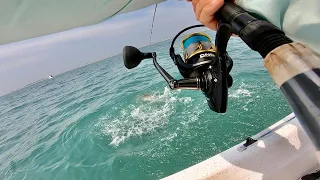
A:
(294, 67)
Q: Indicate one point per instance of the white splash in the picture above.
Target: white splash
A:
(170, 137)
(241, 92)
(140, 119)
(245, 106)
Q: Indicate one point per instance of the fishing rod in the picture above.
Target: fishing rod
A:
(294, 67)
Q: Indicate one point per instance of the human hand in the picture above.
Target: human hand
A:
(204, 11)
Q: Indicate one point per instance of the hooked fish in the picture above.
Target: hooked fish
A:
(148, 97)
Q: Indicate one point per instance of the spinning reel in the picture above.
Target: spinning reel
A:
(204, 66)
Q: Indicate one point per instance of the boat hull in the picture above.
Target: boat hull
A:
(283, 151)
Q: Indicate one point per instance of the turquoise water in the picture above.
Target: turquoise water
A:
(93, 123)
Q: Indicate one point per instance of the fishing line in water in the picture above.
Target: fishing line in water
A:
(154, 15)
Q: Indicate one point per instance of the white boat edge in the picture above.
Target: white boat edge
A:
(283, 151)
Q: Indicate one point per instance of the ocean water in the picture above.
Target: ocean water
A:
(93, 123)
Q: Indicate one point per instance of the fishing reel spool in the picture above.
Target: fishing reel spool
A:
(204, 67)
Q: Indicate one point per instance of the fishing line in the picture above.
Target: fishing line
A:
(154, 15)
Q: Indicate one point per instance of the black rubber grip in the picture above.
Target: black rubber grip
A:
(259, 35)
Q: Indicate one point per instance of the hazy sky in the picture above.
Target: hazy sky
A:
(27, 61)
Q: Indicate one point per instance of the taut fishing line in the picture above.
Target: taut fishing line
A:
(154, 15)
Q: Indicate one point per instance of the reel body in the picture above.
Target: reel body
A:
(204, 66)
(197, 47)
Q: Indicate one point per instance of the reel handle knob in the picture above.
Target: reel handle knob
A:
(132, 56)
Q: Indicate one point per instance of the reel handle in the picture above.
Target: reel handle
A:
(132, 57)
(188, 83)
